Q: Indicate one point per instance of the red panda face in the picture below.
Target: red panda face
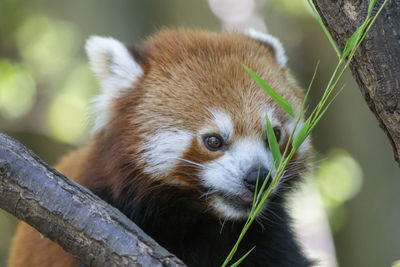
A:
(190, 115)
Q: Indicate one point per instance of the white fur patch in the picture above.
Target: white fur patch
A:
(227, 211)
(224, 123)
(280, 54)
(164, 151)
(116, 70)
(227, 172)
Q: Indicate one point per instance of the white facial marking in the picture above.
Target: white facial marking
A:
(280, 55)
(226, 173)
(164, 151)
(227, 210)
(116, 70)
(223, 122)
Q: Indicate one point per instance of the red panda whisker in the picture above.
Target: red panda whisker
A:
(189, 174)
(208, 193)
(258, 220)
(263, 218)
(191, 162)
(189, 165)
(222, 224)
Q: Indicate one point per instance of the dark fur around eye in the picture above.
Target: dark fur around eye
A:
(278, 133)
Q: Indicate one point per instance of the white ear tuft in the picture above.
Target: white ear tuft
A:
(116, 70)
(272, 41)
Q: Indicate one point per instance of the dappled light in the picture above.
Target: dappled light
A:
(68, 118)
(339, 177)
(47, 45)
(17, 90)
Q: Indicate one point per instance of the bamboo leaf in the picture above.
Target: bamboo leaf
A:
(352, 41)
(242, 258)
(273, 143)
(310, 84)
(302, 134)
(261, 191)
(271, 92)
(256, 190)
(373, 19)
(371, 7)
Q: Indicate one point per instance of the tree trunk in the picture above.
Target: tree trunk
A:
(376, 64)
(84, 225)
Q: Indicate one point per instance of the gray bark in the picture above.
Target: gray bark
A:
(94, 232)
(376, 64)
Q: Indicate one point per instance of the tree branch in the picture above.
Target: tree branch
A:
(84, 225)
(376, 64)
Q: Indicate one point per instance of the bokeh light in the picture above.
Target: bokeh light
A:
(294, 7)
(339, 179)
(67, 115)
(47, 45)
(17, 90)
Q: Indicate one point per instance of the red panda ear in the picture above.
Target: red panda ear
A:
(271, 42)
(112, 60)
(117, 71)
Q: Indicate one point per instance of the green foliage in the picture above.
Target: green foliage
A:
(243, 257)
(271, 92)
(295, 140)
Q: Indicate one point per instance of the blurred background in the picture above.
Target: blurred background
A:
(353, 193)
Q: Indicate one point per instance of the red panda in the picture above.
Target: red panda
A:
(179, 141)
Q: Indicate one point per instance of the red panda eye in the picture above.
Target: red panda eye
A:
(277, 133)
(213, 142)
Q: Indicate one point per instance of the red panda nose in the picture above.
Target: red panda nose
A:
(251, 178)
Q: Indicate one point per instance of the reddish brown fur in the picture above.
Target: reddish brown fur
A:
(179, 87)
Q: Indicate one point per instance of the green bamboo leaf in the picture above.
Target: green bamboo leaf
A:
(256, 191)
(271, 92)
(261, 191)
(302, 134)
(328, 35)
(353, 41)
(371, 7)
(302, 111)
(310, 84)
(273, 143)
(242, 258)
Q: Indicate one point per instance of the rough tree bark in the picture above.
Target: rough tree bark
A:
(84, 225)
(376, 64)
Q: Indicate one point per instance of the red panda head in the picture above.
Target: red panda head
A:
(180, 111)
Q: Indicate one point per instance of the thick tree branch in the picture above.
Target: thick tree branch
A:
(85, 226)
(376, 64)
